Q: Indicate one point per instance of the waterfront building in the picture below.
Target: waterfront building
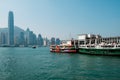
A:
(2, 38)
(16, 41)
(48, 42)
(21, 39)
(40, 40)
(45, 41)
(34, 38)
(27, 37)
(52, 41)
(30, 38)
(57, 41)
(11, 28)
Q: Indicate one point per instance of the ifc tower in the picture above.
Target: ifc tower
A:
(10, 28)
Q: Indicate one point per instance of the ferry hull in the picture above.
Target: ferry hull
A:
(100, 51)
(64, 51)
(68, 51)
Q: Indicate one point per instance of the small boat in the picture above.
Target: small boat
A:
(100, 49)
(33, 47)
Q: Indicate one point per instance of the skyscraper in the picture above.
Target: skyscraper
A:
(57, 41)
(40, 40)
(52, 41)
(11, 28)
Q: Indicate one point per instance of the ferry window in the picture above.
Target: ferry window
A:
(81, 42)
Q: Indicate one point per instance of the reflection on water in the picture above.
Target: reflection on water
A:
(40, 64)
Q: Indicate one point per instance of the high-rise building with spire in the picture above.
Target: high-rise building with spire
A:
(11, 28)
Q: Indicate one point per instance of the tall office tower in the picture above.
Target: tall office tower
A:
(2, 38)
(11, 28)
(21, 38)
(40, 40)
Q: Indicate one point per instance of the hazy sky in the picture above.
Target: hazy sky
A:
(64, 18)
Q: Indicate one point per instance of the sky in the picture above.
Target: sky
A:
(64, 18)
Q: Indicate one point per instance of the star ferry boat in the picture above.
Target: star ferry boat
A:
(65, 47)
(95, 44)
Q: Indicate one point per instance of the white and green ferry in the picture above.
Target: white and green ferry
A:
(107, 49)
(95, 44)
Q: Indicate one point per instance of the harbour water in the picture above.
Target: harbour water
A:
(40, 64)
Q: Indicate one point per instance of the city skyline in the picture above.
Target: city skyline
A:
(13, 36)
(64, 18)
(25, 38)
